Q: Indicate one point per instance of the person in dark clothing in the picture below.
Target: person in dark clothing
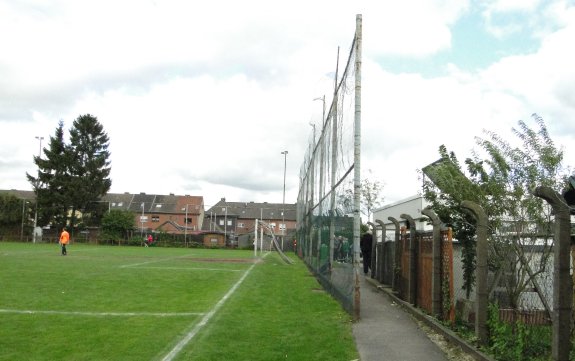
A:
(365, 246)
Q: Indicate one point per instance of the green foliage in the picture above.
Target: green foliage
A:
(517, 341)
(10, 210)
(370, 194)
(501, 181)
(446, 202)
(71, 176)
(117, 224)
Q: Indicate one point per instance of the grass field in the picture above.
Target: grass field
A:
(136, 303)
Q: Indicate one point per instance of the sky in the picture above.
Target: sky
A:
(202, 97)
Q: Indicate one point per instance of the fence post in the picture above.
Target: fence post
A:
(481, 293)
(412, 259)
(381, 255)
(562, 283)
(436, 308)
(373, 248)
(396, 269)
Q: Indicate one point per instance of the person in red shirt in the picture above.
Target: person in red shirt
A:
(64, 240)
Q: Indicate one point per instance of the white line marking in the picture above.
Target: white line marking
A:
(121, 314)
(148, 262)
(194, 269)
(197, 327)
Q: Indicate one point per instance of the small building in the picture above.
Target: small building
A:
(236, 220)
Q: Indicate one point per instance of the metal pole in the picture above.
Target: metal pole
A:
(142, 222)
(37, 184)
(22, 229)
(256, 238)
(285, 152)
(357, 162)
(186, 228)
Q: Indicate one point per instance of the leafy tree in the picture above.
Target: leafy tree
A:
(10, 211)
(370, 197)
(117, 224)
(501, 183)
(445, 192)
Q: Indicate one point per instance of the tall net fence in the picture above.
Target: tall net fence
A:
(328, 226)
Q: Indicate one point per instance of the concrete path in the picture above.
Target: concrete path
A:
(385, 332)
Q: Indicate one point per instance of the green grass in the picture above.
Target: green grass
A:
(135, 303)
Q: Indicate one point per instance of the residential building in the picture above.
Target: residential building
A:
(237, 220)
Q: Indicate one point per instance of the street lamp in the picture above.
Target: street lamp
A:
(285, 152)
(22, 229)
(186, 228)
(37, 184)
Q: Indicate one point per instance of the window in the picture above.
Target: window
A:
(282, 226)
(229, 222)
(188, 221)
(221, 222)
(158, 206)
(155, 218)
(241, 225)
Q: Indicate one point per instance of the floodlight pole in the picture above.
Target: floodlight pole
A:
(285, 152)
(22, 229)
(186, 228)
(142, 222)
(37, 183)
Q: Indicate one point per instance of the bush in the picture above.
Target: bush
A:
(517, 341)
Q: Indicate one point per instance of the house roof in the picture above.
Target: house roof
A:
(153, 203)
(253, 210)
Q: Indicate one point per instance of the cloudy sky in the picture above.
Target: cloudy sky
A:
(201, 97)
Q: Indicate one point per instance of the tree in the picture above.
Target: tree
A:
(117, 224)
(501, 182)
(11, 212)
(445, 188)
(71, 176)
(53, 181)
(90, 165)
(370, 197)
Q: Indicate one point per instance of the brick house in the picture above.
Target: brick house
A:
(237, 220)
(153, 212)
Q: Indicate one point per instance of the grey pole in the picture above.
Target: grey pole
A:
(373, 248)
(357, 161)
(381, 254)
(38, 181)
(481, 293)
(395, 281)
(562, 282)
(436, 308)
(412, 293)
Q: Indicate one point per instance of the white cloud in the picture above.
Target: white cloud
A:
(201, 98)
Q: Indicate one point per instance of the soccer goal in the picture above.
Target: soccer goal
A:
(265, 239)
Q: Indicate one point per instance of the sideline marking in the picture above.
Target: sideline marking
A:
(123, 314)
(197, 327)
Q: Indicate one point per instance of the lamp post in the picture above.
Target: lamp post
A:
(285, 152)
(22, 229)
(37, 184)
(142, 221)
(186, 228)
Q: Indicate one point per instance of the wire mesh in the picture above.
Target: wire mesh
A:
(325, 201)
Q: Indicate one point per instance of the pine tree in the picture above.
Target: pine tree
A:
(90, 166)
